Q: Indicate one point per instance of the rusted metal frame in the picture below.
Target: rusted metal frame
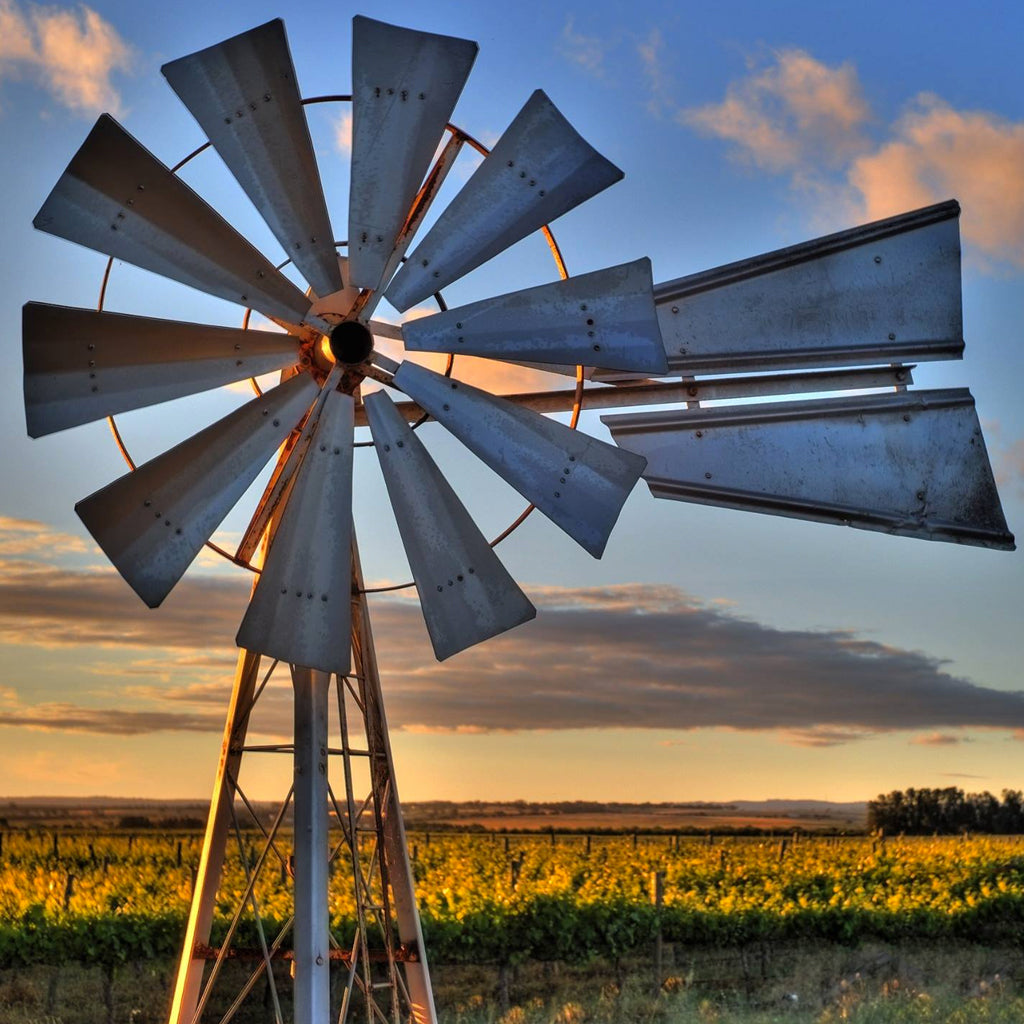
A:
(257, 917)
(392, 834)
(352, 691)
(188, 981)
(338, 815)
(289, 462)
(244, 953)
(252, 814)
(257, 974)
(259, 690)
(346, 996)
(222, 952)
(420, 206)
(359, 940)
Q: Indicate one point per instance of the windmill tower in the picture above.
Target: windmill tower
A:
(842, 313)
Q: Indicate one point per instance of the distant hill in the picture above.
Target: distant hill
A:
(512, 816)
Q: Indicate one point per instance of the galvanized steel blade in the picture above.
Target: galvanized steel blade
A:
(538, 170)
(301, 610)
(245, 96)
(152, 523)
(466, 594)
(578, 482)
(404, 88)
(884, 292)
(912, 463)
(605, 318)
(82, 365)
(117, 198)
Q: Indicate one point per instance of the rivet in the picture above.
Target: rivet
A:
(511, 163)
(906, 417)
(541, 192)
(298, 593)
(147, 503)
(323, 447)
(238, 362)
(522, 174)
(337, 451)
(391, 92)
(459, 578)
(423, 95)
(590, 322)
(561, 479)
(472, 570)
(455, 385)
(878, 259)
(532, 183)
(572, 458)
(91, 347)
(440, 589)
(700, 433)
(566, 471)
(92, 362)
(590, 334)
(437, 273)
(252, 106)
(238, 348)
(597, 348)
(265, 411)
(451, 583)
(245, 298)
(167, 522)
(558, 494)
(92, 376)
(401, 444)
(259, 273)
(266, 97)
(323, 597)
(227, 120)
(458, 327)
(309, 596)
(141, 188)
(675, 309)
(178, 531)
(583, 305)
(284, 590)
(277, 423)
(95, 388)
(461, 339)
(130, 202)
(158, 515)
(900, 375)
(447, 407)
(426, 263)
(892, 336)
(707, 476)
(387, 447)
(920, 495)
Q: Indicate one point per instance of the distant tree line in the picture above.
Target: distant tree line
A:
(946, 812)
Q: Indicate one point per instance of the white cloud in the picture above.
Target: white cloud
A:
(71, 54)
(586, 52)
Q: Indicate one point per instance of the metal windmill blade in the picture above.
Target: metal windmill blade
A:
(579, 483)
(117, 198)
(300, 612)
(539, 169)
(466, 594)
(245, 96)
(606, 318)
(84, 364)
(404, 88)
(152, 522)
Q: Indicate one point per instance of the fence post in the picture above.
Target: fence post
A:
(658, 898)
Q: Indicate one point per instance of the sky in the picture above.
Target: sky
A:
(710, 654)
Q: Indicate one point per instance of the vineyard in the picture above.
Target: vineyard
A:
(487, 899)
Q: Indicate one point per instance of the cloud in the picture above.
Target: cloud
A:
(801, 118)
(659, 82)
(794, 112)
(343, 133)
(939, 739)
(937, 152)
(32, 538)
(627, 656)
(585, 52)
(71, 54)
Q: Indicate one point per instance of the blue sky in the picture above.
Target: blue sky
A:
(710, 653)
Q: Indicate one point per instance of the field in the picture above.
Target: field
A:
(115, 903)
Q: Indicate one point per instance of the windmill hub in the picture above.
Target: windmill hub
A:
(351, 342)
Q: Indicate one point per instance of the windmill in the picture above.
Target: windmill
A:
(842, 313)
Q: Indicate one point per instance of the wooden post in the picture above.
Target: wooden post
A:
(69, 889)
(782, 849)
(658, 898)
(56, 847)
(588, 845)
(506, 844)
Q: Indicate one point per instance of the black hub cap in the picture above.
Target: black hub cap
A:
(351, 342)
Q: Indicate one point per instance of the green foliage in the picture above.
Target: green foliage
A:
(127, 898)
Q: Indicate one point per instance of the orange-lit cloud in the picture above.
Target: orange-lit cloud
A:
(939, 739)
(343, 133)
(72, 54)
(803, 119)
(29, 537)
(937, 152)
(793, 112)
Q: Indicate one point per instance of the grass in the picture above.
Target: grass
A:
(801, 984)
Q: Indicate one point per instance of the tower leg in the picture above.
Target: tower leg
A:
(189, 978)
(312, 923)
